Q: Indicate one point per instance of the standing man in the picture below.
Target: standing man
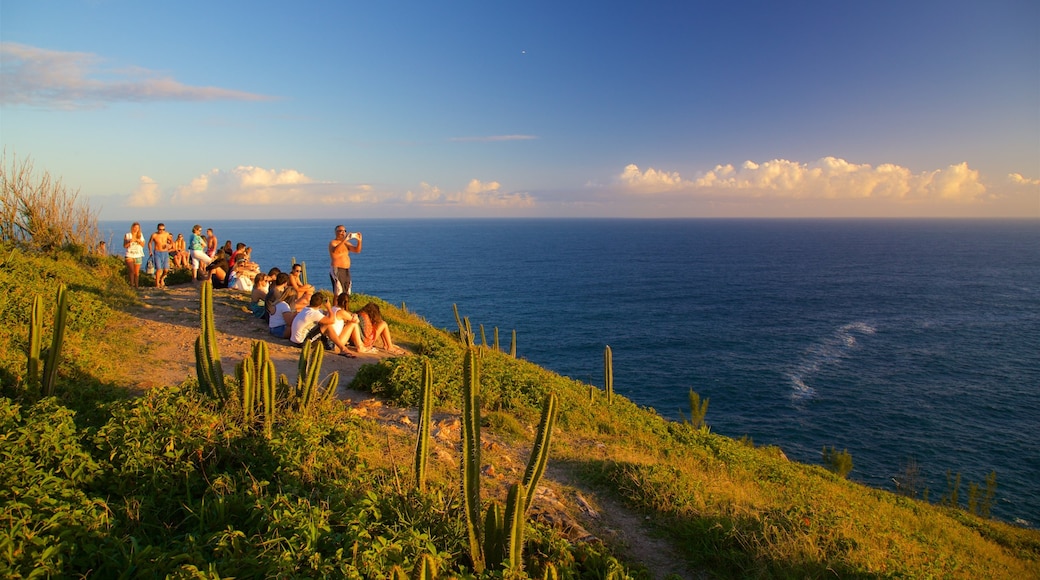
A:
(160, 245)
(211, 243)
(339, 252)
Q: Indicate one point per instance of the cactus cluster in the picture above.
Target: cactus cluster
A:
(46, 360)
(259, 384)
(499, 541)
(468, 338)
(308, 386)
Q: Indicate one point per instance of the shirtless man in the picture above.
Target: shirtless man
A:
(339, 250)
(211, 243)
(159, 246)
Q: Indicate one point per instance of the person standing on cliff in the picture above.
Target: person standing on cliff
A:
(339, 251)
(159, 246)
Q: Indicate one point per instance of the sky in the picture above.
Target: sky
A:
(312, 109)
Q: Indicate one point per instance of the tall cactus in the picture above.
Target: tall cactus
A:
(608, 374)
(266, 380)
(483, 337)
(425, 568)
(309, 366)
(458, 321)
(246, 373)
(494, 536)
(512, 345)
(33, 364)
(516, 521)
(50, 365)
(422, 440)
(540, 452)
(207, 352)
(471, 455)
(470, 338)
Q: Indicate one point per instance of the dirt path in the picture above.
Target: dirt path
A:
(168, 321)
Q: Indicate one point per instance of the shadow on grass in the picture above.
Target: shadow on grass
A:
(723, 545)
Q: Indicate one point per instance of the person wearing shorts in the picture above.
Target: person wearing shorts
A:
(339, 251)
(160, 245)
(133, 242)
(279, 323)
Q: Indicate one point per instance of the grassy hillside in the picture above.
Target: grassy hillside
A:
(97, 483)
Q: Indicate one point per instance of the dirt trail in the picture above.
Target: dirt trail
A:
(169, 321)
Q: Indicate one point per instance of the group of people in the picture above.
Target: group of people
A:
(200, 254)
(293, 309)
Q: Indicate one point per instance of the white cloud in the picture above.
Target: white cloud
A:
(1017, 179)
(71, 80)
(147, 194)
(475, 194)
(258, 186)
(826, 178)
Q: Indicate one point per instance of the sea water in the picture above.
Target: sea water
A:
(897, 340)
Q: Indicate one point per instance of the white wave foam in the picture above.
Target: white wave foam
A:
(827, 352)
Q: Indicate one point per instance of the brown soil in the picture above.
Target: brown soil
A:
(168, 324)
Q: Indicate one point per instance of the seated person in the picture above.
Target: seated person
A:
(258, 296)
(243, 275)
(294, 280)
(313, 322)
(276, 292)
(347, 325)
(374, 328)
(234, 255)
(280, 323)
(219, 270)
(179, 255)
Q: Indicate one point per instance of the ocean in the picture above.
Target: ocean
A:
(898, 340)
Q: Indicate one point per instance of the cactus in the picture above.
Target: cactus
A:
(550, 572)
(265, 378)
(540, 452)
(470, 338)
(496, 339)
(515, 520)
(311, 356)
(608, 374)
(512, 345)
(494, 537)
(422, 440)
(303, 272)
(32, 370)
(483, 338)
(50, 365)
(207, 353)
(331, 385)
(458, 321)
(471, 455)
(246, 372)
(425, 568)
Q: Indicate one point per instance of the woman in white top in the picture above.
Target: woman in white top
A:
(133, 241)
(347, 325)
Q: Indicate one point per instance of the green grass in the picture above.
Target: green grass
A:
(98, 483)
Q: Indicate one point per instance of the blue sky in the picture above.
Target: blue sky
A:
(207, 110)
